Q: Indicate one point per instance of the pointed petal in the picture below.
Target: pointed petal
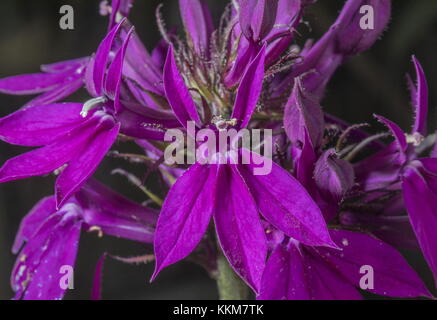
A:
(27, 84)
(83, 165)
(249, 90)
(102, 57)
(285, 203)
(96, 292)
(185, 215)
(65, 65)
(392, 274)
(40, 125)
(396, 131)
(32, 221)
(113, 79)
(116, 215)
(257, 18)
(138, 126)
(198, 24)
(420, 194)
(239, 228)
(246, 52)
(420, 99)
(47, 159)
(98, 196)
(177, 93)
(58, 93)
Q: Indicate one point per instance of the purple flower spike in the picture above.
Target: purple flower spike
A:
(257, 18)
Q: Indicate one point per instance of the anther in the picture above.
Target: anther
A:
(91, 104)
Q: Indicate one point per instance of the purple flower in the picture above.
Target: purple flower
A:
(76, 137)
(231, 194)
(48, 237)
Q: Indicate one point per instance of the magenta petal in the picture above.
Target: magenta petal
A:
(27, 84)
(294, 273)
(420, 99)
(239, 228)
(114, 214)
(420, 193)
(198, 24)
(99, 197)
(36, 274)
(285, 203)
(392, 274)
(249, 90)
(257, 18)
(46, 159)
(285, 276)
(397, 133)
(101, 58)
(113, 79)
(185, 215)
(40, 125)
(177, 93)
(245, 53)
(81, 167)
(58, 93)
(96, 292)
(303, 113)
(326, 283)
(32, 221)
(138, 126)
(65, 65)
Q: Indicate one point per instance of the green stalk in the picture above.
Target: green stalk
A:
(230, 286)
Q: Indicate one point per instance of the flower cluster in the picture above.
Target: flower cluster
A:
(336, 199)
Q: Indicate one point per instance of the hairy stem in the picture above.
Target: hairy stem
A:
(230, 286)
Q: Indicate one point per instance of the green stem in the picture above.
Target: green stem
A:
(230, 286)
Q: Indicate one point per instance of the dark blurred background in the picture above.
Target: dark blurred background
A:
(30, 35)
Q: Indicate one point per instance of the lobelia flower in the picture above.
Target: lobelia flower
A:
(298, 272)
(231, 193)
(48, 237)
(399, 167)
(281, 232)
(73, 134)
